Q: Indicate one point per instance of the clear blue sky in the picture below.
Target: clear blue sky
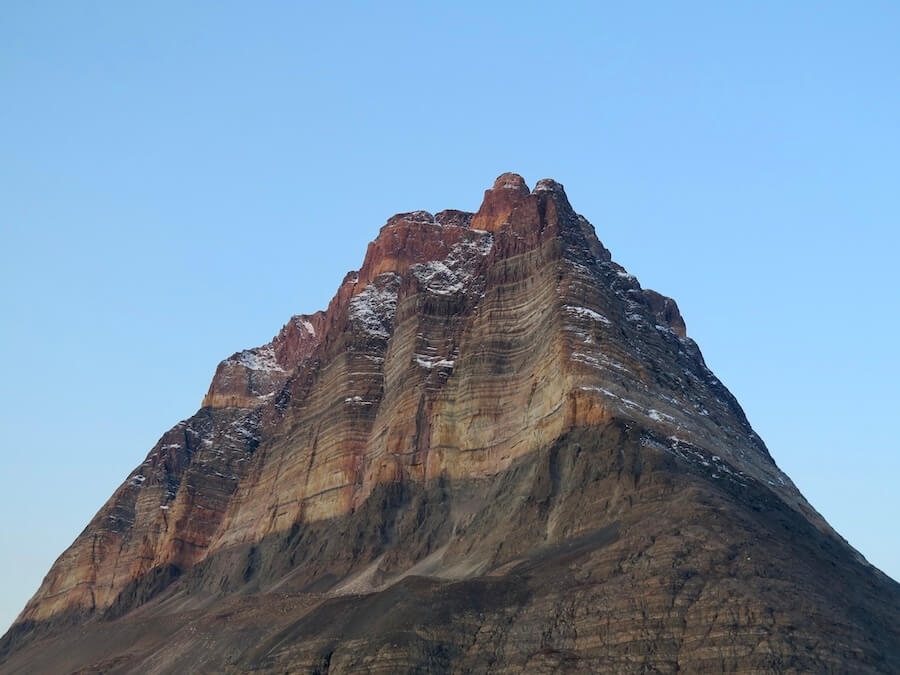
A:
(177, 179)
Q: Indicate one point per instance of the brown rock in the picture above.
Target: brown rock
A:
(500, 201)
(247, 379)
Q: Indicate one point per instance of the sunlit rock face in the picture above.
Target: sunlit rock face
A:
(494, 450)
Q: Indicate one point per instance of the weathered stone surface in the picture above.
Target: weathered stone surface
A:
(493, 451)
(507, 194)
(249, 378)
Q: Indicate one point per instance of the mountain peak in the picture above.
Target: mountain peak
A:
(509, 192)
(548, 184)
(511, 181)
(492, 419)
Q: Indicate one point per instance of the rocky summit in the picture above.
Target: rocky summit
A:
(494, 451)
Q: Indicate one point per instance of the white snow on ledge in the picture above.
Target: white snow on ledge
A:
(717, 467)
(437, 277)
(373, 308)
(358, 399)
(304, 324)
(651, 413)
(598, 361)
(589, 313)
(455, 273)
(430, 362)
(260, 358)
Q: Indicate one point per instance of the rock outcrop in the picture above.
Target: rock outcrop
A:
(493, 451)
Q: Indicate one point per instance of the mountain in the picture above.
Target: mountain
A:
(494, 451)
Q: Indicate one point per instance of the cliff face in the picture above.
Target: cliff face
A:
(494, 450)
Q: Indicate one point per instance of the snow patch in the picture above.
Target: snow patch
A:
(651, 413)
(372, 309)
(259, 358)
(589, 313)
(598, 361)
(690, 453)
(358, 399)
(456, 272)
(304, 323)
(430, 362)
(437, 277)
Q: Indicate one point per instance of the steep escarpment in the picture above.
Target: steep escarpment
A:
(493, 450)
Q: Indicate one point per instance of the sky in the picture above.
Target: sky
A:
(177, 179)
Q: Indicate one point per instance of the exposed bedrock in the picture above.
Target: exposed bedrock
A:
(494, 450)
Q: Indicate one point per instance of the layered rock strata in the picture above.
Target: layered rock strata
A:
(494, 419)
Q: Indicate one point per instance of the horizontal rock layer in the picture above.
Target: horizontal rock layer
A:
(604, 552)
